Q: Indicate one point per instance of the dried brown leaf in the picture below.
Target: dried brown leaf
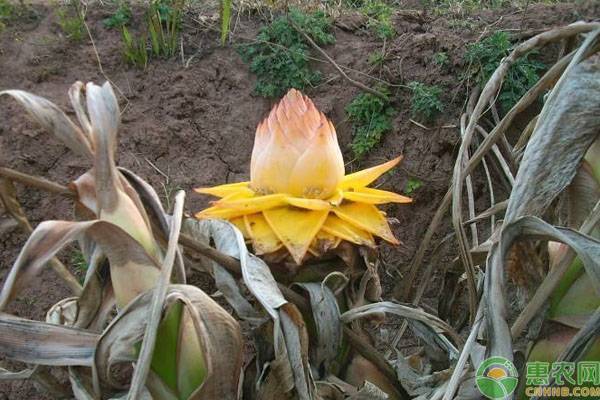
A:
(43, 343)
(52, 119)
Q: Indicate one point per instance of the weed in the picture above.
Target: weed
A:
(47, 40)
(485, 56)
(45, 73)
(462, 23)
(280, 55)
(425, 101)
(371, 118)
(6, 12)
(6, 9)
(170, 189)
(71, 19)
(78, 262)
(225, 16)
(164, 24)
(376, 58)
(441, 58)
(120, 17)
(11, 12)
(379, 16)
(461, 8)
(135, 51)
(411, 185)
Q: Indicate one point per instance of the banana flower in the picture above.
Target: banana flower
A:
(298, 196)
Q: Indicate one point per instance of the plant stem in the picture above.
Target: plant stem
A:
(37, 182)
(365, 349)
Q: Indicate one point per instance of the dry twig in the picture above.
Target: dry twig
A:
(353, 82)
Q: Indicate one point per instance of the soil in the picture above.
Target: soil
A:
(190, 124)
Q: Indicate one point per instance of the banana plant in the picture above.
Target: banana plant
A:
(176, 336)
(566, 136)
(576, 298)
(316, 227)
(554, 199)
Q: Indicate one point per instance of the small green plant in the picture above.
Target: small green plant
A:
(6, 12)
(226, 6)
(380, 18)
(71, 19)
(78, 262)
(6, 9)
(13, 11)
(484, 57)
(120, 17)
(441, 58)
(411, 185)
(379, 14)
(280, 55)
(135, 50)
(462, 23)
(371, 118)
(459, 9)
(425, 101)
(376, 58)
(164, 24)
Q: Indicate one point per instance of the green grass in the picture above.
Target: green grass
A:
(164, 25)
(78, 262)
(377, 58)
(371, 118)
(280, 55)
(12, 12)
(120, 17)
(158, 38)
(135, 51)
(484, 57)
(71, 19)
(425, 102)
(225, 16)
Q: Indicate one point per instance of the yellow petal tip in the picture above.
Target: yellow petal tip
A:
(367, 176)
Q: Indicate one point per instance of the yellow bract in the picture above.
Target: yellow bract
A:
(298, 196)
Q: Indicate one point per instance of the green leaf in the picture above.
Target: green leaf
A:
(425, 102)
(484, 57)
(578, 304)
(164, 359)
(225, 19)
(411, 185)
(120, 18)
(371, 118)
(280, 55)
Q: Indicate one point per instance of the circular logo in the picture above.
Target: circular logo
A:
(496, 378)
